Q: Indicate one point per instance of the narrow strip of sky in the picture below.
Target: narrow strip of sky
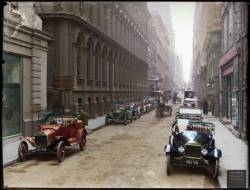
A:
(182, 20)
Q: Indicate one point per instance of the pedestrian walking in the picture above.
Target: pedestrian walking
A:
(83, 116)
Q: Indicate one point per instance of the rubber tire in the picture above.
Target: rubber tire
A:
(215, 169)
(83, 142)
(23, 151)
(125, 120)
(168, 165)
(60, 156)
(106, 121)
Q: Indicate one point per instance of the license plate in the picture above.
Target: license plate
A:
(192, 162)
(41, 149)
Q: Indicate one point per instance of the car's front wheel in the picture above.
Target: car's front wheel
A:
(169, 165)
(23, 151)
(106, 121)
(60, 152)
(83, 142)
(125, 120)
(215, 168)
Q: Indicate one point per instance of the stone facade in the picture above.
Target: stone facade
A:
(206, 53)
(164, 66)
(233, 64)
(97, 50)
(25, 48)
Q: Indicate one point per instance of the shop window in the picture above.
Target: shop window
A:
(11, 112)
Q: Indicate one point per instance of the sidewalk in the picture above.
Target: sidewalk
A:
(234, 151)
(10, 146)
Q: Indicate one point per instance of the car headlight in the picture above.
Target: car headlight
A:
(181, 149)
(204, 151)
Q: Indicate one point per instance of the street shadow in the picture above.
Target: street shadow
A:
(50, 156)
(184, 170)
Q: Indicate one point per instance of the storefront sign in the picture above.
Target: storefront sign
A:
(227, 56)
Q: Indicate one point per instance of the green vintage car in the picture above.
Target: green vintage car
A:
(121, 114)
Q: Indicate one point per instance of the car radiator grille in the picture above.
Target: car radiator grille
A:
(116, 115)
(193, 151)
(41, 140)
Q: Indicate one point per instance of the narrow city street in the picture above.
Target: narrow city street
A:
(115, 156)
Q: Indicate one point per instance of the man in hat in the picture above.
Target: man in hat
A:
(82, 115)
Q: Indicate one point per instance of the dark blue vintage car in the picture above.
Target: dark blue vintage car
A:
(192, 144)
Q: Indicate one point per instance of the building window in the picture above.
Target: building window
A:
(11, 113)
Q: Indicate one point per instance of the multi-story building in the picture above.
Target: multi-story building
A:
(165, 45)
(97, 50)
(25, 48)
(206, 53)
(178, 74)
(233, 64)
(153, 74)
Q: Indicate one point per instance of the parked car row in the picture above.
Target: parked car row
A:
(191, 142)
(125, 113)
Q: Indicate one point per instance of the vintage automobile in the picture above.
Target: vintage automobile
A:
(121, 114)
(189, 98)
(191, 113)
(54, 136)
(178, 100)
(163, 107)
(135, 113)
(192, 144)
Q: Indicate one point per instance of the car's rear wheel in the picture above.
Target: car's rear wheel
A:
(60, 151)
(23, 151)
(169, 165)
(83, 142)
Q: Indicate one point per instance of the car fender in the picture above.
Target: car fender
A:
(217, 153)
(167, 148)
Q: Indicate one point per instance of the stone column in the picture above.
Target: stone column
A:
(114, 26)
(85, 54)
(101, 67)
(93, 63)
(107, 73)
(94, 110)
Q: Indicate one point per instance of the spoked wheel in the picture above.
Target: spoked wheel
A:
(215, 168)
(169, 165)
(60, 151)
(106, 121)
(125, 120)
(23, 151)
(82, 143)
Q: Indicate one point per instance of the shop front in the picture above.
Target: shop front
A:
(229, 86)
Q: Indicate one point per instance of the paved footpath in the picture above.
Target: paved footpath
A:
(234, 151)
(10, 147)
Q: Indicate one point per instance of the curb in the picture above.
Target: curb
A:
(95, 129)
(10, 163)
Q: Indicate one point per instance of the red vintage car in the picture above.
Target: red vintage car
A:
(54, 135)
